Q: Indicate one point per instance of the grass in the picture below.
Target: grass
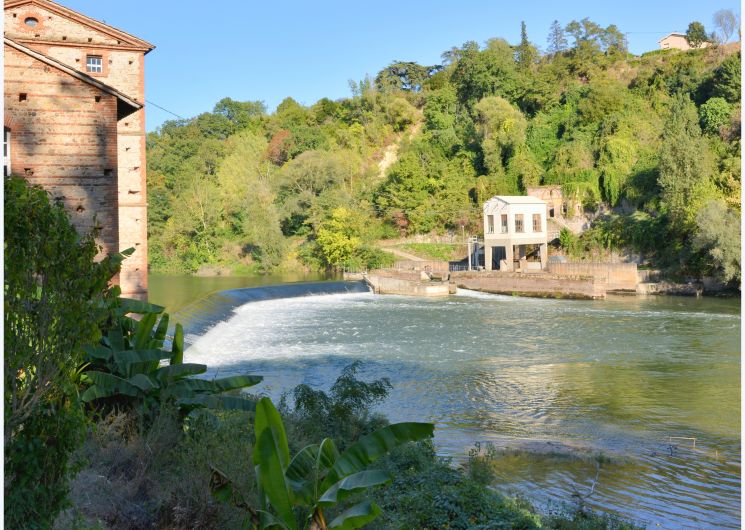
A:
(436, 251)
(161, 478)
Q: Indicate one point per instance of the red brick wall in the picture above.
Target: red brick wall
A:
(63, 37)
(65, 140)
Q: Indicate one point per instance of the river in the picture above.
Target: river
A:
(632, 403)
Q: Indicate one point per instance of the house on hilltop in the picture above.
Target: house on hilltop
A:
(515, 233)
(75, 123)
(677, 41)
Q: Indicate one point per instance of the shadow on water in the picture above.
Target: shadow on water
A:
(577, 396)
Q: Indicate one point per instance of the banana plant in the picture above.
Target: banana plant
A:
(317, 477)
(126, 366)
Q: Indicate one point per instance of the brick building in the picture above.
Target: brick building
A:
(75, 123)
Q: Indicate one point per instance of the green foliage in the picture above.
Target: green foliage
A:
(436, 251)
(718, 234)
(696, 34)
(714, 114)
(496, 119)
(124, 370)
(54, 301)
(727, 79)
(343, 414)
(685, 163)
(317, 478)
(428, 492)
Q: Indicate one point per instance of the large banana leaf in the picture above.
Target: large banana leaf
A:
(368, 448)
(353, 483)
(218, 403)
(115, 339)
(108, 385)
(101, 353)
(172, 372)
(129, 305)
(128, 361)
(177, 346)
(271, 457)
(235, 382)
(307, 469)
(356, 517)
(144, 333)
(161, 330)
(183, 387)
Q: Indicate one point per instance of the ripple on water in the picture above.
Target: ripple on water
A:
(617, 377)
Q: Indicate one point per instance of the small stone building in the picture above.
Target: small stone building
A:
(515, 233)
(75, 123)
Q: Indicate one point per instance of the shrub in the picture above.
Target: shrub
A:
(342, 414)
(54, 295)
(714, 114)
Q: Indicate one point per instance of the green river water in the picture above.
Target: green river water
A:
(632, 403)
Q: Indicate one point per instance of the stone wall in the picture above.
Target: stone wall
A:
(616, 276)
(428, 266)
(539, 285)
(391, 284)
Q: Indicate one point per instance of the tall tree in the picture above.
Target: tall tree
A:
(685, 164)
(557, 40)
(696, 34)
(526, 52)
(725, 21)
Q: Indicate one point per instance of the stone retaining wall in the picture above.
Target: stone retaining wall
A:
(616, 276)
(540, 285)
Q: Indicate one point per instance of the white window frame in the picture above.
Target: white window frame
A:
(6, 152)
(93, 67)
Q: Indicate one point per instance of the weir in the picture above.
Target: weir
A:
(201, 315)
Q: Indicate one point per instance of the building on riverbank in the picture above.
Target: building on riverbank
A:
(515, 233)
(75, 123)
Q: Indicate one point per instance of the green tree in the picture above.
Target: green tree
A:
(714, 114)
(685, 163)
(55, 293)
(502, 128)
(718, 234)
(727, 79)
(557, 41)
(696, 34)
(526, 53)
(478, 74)
(403, 75)
(339, 238)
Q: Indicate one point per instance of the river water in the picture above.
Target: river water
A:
(632, 403)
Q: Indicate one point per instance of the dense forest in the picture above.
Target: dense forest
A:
(653, 141)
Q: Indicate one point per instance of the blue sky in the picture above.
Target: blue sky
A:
(266, 51)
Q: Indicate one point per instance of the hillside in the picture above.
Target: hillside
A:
(656, 138)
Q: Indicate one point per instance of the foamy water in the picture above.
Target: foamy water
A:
(619, 377)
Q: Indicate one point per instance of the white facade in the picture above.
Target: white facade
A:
(515, 233)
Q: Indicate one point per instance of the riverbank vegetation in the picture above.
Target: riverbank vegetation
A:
(652, 140)
(99, 433)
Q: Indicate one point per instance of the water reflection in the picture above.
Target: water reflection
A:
(617, 378)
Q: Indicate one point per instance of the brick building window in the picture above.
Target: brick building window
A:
(31, 21)
(94, 64)
(519, 223)
(536, 222)
(504, 223)
(6, 151)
